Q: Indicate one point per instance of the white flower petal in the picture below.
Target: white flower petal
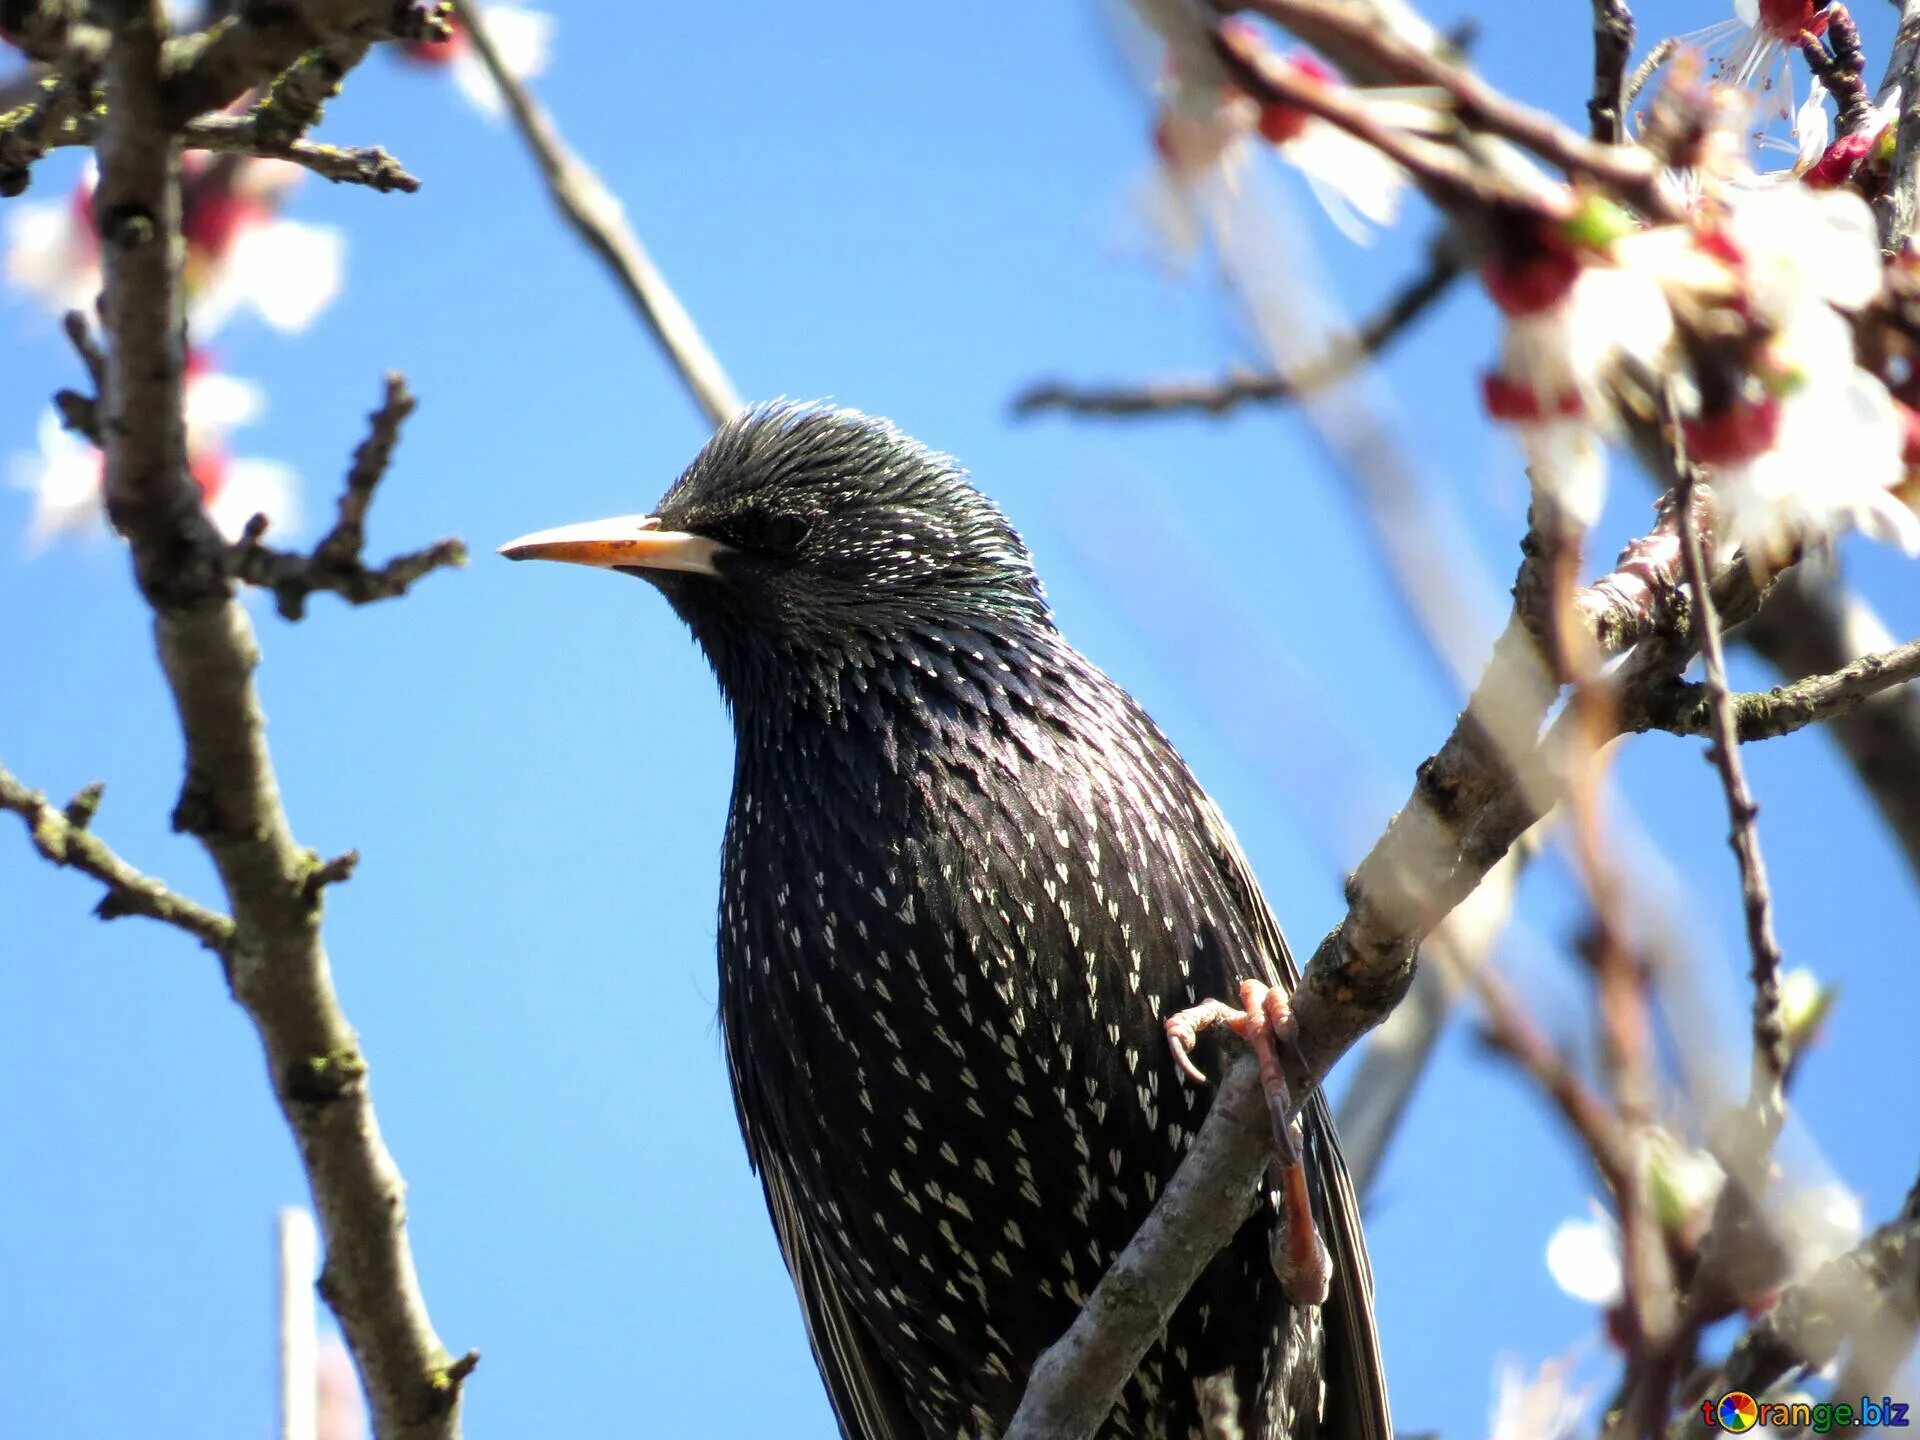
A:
(1359, 186)
(1583, 1256)
(1817, 1225)
(286, 271)
(256, 487)
(1805, 244)
(64, 478)
(1812, 130)
(1564, 461)
(217, 403)
(51, 256)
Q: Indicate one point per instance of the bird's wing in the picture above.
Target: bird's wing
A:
(866, 1398)
(1356, 1396)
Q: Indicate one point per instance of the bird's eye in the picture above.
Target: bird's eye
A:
(778, 535)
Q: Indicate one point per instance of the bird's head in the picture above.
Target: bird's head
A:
(803, 533)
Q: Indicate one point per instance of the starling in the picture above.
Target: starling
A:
(966, 885)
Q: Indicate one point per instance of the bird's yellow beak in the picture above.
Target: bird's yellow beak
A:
(624, 542)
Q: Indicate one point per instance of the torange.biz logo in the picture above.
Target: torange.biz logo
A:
(1738, 1412)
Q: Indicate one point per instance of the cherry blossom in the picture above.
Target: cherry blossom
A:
(242, 254)
(65, 474)
(523, 37)
(1205, 129)
(1578, 304)
(1752, 51)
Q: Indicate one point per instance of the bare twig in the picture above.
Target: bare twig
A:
(63, 837)
(1445, 174)
(249, 135)
(28, 132)
(247, 49)
(81, 413)
(1688, 709)
(230, 802)
(335, 564)
(1644, 72)
(1631, 173)
(1769, 1033)
(1508, 1030)
(591, 209)
(1812, 626)
(1612, 44)
(1217, 397)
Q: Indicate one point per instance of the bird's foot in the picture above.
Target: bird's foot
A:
(1265, 1022)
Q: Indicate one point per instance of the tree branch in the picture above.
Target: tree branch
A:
(595, 215)
(335, 564)
(1688, 709)
(65, 839)
(1769, 1033)
(230, 801)
(1628, 171)
(1217, 397)
(245, 50)
(1811, 627)
(1612, 45)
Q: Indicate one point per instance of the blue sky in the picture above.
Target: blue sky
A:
(915, 211)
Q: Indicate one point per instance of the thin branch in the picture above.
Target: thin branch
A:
(1216, 397)
(81, 413)
(230, 801)
(29, 131)
(63, 837)
(335, 564)
(1630, 172)
(1812, 626)
(596, 216)
(1688, 709)
(1644, 72)
(1612, 44)
(249, 48)
(250, 135)
(1508, 1030)
(1769, 1032)
(1444, 174)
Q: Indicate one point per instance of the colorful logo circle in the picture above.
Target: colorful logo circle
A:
(1737, 1412)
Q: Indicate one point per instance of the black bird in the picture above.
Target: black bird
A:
(965, 884)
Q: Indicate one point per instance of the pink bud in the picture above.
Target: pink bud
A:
(209, 470)
(437, 52)
(1842, 158)
(1910, 422)
(1509, 399)
(1532, 282)
(1737, 434)
(212, 218)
